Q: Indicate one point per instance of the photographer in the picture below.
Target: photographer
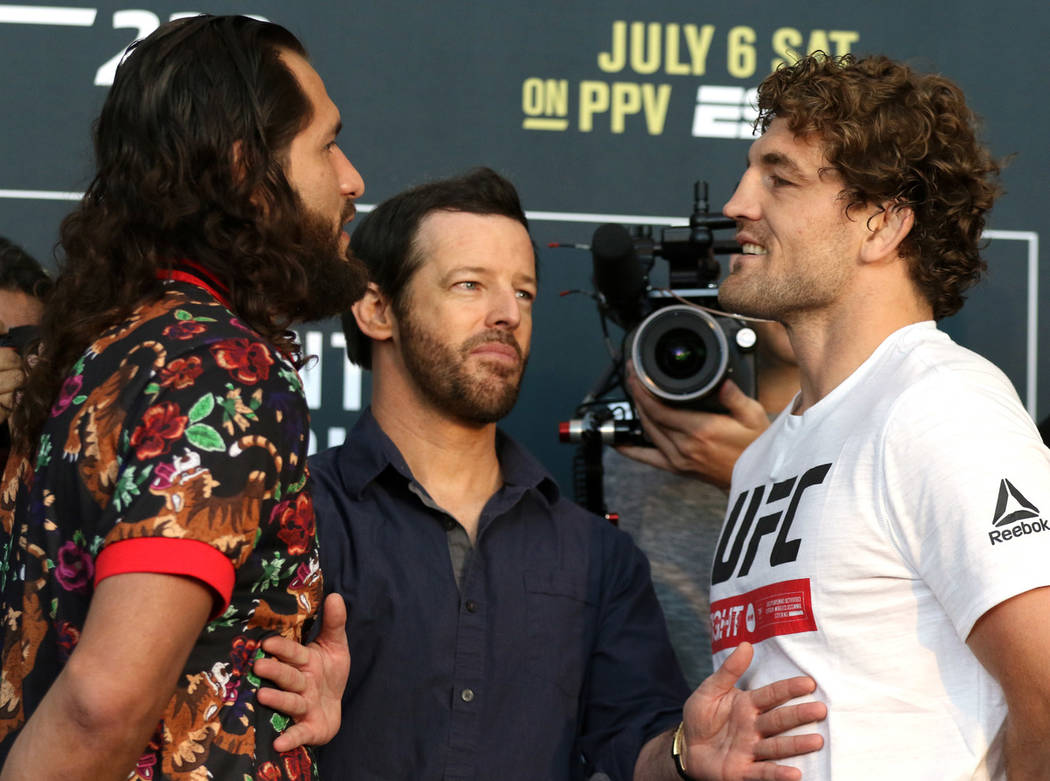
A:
(24, 286)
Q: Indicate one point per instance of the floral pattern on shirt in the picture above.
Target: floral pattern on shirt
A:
(180, 424)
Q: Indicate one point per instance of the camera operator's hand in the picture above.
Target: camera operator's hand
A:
(704, 445)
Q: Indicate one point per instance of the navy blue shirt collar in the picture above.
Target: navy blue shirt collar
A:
(372, 452)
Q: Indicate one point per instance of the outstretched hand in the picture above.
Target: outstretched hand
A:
(310, 679)
(704, 445)
(735, 735)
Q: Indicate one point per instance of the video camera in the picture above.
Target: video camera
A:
(681, 347)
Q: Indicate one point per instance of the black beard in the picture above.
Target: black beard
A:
(335, 279)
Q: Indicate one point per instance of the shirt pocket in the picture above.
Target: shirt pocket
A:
(559, 628)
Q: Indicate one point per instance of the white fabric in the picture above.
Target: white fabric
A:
(895, 539)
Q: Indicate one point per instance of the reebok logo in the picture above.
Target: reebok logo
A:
(1012, 509)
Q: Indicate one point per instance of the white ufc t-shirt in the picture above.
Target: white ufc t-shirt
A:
(863, 540)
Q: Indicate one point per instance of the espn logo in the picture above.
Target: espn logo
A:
(724, 112)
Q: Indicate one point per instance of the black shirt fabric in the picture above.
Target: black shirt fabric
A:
(549, 660)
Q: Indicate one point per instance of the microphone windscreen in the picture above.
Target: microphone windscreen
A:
(617, 273)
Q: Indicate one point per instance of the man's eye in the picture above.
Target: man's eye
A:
(468, 285)
(526, 295)
(779, 181)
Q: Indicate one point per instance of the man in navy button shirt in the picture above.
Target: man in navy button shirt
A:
(497, 630)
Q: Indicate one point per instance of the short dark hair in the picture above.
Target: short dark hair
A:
(20, 271)
(386, 240)
(899, 137)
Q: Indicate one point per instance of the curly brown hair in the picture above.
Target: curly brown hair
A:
(902, 138)
(190, 146)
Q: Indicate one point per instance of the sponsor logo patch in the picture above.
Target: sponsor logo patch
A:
(784, 608)
(1015, 516)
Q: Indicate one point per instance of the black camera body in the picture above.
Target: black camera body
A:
(19, 336)
(682, 348)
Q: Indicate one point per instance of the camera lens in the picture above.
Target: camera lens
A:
(680, 353)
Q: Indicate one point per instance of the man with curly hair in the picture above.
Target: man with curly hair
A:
(888, 533)
(156, 526)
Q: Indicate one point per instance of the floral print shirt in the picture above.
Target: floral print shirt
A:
(177, 445)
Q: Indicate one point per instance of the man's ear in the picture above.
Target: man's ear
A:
(374, 314)
(887, 229)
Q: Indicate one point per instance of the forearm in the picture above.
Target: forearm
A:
(98, 715)
(1010, 640)
(1027, 748)
(65, 741)
(654, 760)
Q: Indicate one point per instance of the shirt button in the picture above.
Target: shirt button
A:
(472, 606)
(466, 695)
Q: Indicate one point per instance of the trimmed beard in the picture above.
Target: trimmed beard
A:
(438, 370)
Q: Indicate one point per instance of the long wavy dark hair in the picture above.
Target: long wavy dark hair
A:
(903, 138)
(190, 147)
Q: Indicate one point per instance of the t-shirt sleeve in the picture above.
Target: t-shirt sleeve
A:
(967, 491)
(634, 688)
(203, 450)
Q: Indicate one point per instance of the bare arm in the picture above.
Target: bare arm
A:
(704, 445)
(735, 735)
(311, 680)
(1012, 640)
(105, 704)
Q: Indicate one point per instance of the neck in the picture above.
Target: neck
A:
(778, 382)
(831, 344)
(454, 461)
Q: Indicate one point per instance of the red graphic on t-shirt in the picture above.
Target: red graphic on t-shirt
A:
(784, 608)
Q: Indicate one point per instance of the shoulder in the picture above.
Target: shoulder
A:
(612, 550)
(942, 383)
(184, 335)
(919, 380)
(326, 476)
(325, 464)
(521, 467)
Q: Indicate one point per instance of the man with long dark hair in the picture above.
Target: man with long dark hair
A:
(157, 527)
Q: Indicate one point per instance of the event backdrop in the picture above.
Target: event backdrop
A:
(599, 112)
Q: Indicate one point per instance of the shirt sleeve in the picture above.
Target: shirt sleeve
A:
(634, 688)
(188, 558)
(204, 456)
(967, 493)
